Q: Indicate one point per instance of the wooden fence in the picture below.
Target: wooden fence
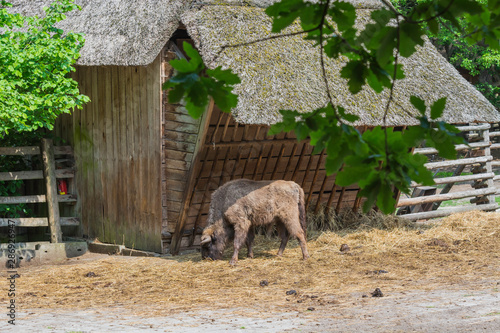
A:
(495, 137)
(52, 198)
(475, 158)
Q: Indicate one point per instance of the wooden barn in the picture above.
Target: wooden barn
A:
(146, 169)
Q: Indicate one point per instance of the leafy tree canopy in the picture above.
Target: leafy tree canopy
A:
(476, 61)
(379, 159)
(35, 60)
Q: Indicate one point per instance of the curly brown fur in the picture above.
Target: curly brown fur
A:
(239, 205)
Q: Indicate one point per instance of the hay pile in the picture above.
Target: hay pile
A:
(462, 250)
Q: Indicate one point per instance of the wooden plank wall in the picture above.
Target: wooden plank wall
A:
(180, 134)
(116, 138)
(233, 151)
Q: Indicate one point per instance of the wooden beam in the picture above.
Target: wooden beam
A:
(443, 197)
(478, 127)
(332, 194)
(254, 142)
(33, 150)
(492, 134)
(49, 173)
(463, 161)
(38, 174)
(38, 221)
(339, 202)
(430, 150)
(280, 156)
(22, 151)
(495, 146)
(35, 199)
(315, 178)
(449, 180)
(447, 212)
(188, 194)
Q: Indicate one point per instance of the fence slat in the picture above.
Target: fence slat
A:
(443, 197)
(38, 221)
(38, 174)
(35, 199)
(33, 150)
(426, 151)
(449, 180)
(447, 212)
(495, 146)
(479, 127)
(20, 151)
(463, 161)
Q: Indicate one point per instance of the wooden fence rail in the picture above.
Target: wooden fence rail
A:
(49, 174)
(483, 193)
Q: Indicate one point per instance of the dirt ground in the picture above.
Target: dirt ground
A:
(432, 279)
(470, 309)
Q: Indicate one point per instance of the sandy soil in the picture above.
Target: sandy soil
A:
(471, 306)
(430, 311)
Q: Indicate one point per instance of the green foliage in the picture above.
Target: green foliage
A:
(380, 159)
(477, 59)
(16, 163)
(35, 60)
(191, 84)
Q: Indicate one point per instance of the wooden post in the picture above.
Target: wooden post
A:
(489, 167)
(49, 173)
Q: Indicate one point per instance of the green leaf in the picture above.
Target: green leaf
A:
(284, 13)
(433, 26)
(182, 65)
(411, 35)
(419, 104)
(346, 116)
(195, 60)
(226, 76)
(385, 199)
(175, 94)
(414, 135)
(194, 110)
(355, 72)
(437, 108)
(384, 42)
(351, 175)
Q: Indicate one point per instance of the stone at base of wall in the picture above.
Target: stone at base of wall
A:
(37, 253)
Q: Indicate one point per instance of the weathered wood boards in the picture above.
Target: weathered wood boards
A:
(230, 151)
(118, 150)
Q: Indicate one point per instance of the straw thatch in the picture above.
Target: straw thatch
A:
(277, 74)
(286, 74)
(117, 32)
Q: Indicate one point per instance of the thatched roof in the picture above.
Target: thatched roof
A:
(117, 32)
(286, 74)
(277, 74)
